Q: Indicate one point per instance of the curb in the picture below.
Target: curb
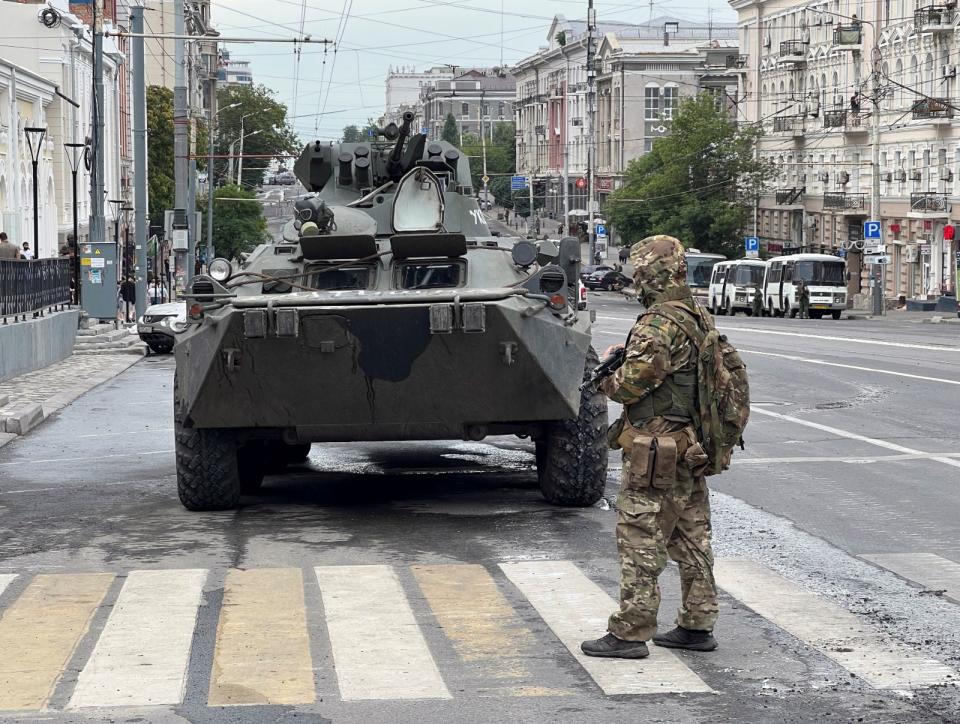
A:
(25, 418)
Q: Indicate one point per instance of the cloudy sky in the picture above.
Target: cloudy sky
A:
(336, 89)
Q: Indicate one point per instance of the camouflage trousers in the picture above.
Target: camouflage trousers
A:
(653, 524)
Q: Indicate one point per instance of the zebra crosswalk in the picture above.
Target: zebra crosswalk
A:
(91, 640)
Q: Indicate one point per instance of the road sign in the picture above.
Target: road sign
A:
(518, 183)
(600, 229)
(871, 230)
(751, 243)
(485, 178)
(876, 259)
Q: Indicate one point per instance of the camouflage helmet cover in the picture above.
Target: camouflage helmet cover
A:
(658, 264)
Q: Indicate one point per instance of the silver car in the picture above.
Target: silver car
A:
(160, 323)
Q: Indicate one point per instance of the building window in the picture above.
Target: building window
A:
(465, 109)
(486, 109)
(500, 109)
(651, 103)
(647, 145)
(671, 99)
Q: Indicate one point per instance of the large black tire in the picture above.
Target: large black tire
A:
(252, 464)
(572, 455)
(208, 476)
(836, 313)
(159, 348)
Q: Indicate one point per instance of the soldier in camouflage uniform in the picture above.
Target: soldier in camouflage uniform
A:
(663, 507)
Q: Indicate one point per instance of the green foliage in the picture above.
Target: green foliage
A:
(451, 131)
(351, 134)
(262, 113)
(501, 160)
(160, 149)
(561, 38)
(238, 226)
(697, 184)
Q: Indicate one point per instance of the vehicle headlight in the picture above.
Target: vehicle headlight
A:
(220, 269)
(839, 297)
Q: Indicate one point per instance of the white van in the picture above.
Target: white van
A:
(733, 285)
(824, 275)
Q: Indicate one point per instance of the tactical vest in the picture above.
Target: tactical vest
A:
(675, 399)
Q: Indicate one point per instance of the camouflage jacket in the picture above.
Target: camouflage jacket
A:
(655, 349)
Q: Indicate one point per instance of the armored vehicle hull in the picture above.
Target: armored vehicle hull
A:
(393, 316)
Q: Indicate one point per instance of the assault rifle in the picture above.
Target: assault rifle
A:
(606, 368)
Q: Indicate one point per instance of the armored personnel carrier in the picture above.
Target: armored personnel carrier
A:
(389, 312)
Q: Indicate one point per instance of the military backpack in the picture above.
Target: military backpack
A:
(722, 405)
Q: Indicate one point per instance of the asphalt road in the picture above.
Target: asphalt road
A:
(430, 582)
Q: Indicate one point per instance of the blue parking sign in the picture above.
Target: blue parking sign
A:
(600, 229)
(751, 243)
(871, 230)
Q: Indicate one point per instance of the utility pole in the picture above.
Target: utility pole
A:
(98, 223)
(566, 148)
(483, 145)
(210, 162)
(139, 159)
(876, 270)
(181, 141)
(591, 101)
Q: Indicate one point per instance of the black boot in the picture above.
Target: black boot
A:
(612, 647)
(684, 638)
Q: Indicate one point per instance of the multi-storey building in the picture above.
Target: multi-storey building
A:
(479, 99)
(640, 81)
(233, 71)
(857, 103)
(403, 88)
(642, 69)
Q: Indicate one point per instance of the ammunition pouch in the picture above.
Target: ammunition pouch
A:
(673, 400)
(654, 459)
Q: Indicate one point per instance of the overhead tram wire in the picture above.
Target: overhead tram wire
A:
(296, 64)
(348, 7)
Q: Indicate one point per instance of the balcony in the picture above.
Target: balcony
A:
(928, 204)
(793, 51)
(934, 110)
(935, 19)
(737, 62)
(540, 130)
(848, 37)
(790, 197)
(845, 202)
(849, 121)
(789, 126)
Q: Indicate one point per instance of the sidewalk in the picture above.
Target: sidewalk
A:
(29, 399)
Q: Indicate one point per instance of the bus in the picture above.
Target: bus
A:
(733, 285)
(824, 275)
(699, 270)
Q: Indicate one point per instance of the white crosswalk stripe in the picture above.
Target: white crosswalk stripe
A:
(575, 608)
(149, 630)
(142, 656)
(927, 569)
(377, 646)
(835, 632)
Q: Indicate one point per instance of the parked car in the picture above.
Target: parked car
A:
(586, 270)
(160, 324)
(611, 280)
(582, 298)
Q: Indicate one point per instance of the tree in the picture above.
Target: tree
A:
(268, 133)
(697, 184)
(351, 134)
(451, 131)
(238, 226)
(160, 149)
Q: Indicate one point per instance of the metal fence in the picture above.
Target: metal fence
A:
(29, 286)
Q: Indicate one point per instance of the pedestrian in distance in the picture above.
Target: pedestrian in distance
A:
(675, 389)
(624, 254)
(803, 296)
(757, 302)
(128, 293)
(25, 252)
(7, 249)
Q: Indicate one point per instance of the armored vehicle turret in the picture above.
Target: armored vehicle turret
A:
(387, 311)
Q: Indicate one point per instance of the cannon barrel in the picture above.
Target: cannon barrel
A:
(395, 162)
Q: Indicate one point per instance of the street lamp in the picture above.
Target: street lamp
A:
(35, 143)
(240, 161)
(210, 161)
(75, 157)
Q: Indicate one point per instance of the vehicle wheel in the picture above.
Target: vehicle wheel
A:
(836, 313)
(816, 315)
(572, 456)
(713, 307)
(727, 310)
(748, 311)
(158, 348)
(770, 310)
(793, 313)
(208, 477)
(297, 453)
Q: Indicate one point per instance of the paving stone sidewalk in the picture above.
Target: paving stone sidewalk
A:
(27, 400)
